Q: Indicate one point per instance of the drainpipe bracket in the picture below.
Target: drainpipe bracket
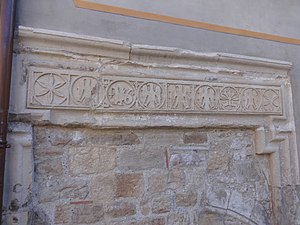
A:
(4, 144)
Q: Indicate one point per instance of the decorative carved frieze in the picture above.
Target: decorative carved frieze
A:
(54, 88)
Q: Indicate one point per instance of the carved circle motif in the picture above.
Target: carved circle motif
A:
(229, 99)
(251, 99)
(271, 101)
(121, 94)
(151, 95)
(205, 98)
(49, 88)
(87, 91)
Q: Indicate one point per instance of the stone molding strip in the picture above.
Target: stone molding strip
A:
(66, 89)
(33, 39)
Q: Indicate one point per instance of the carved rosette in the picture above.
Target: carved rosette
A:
(69, 89)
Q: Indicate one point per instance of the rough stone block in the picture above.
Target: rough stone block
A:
(150, 221)
(178, 219)
(87, 214)
(195, 137)
(103, 187)
(210, 218)
(141, 158)
(158, 181)
(161, 205)
(186, 199)
(241, 203)
(62, 214)
(92, 160)
(147, 221)
(145, 207)
(163, 138)
(176, 179)
(218, 196)
(218, 160)
(129, 185)
(188, 160)
(113, 138)
(54, 189)
(50, 167)
(120, 209)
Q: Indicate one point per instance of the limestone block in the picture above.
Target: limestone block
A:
(218, 196)
(158, 181)
(147, 221)
(50, 167)
(87, 214)
(129, 185)
(142, 157)
(191, 159)
(186, 199)
(90, 160)
(162, 205)
(178, 219)
(195, 138)
(62, 214)
(242, 204)
(103, 187)
(120, 209)
(115, 138)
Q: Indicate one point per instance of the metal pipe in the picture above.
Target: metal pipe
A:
(7, 20)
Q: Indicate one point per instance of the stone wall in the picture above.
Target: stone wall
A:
(152, 176)
(109, 132)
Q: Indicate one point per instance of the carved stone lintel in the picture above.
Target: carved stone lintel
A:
(65, 89)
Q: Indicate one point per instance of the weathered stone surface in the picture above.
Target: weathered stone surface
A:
(50, 167)
(87, 214)
(164, 139)
(218, 196)
(114, 138)
(62, 214)
(158, 181)
(141, 158)
(145, 207)
(260, 215)
(188, 160)
(162, 180)
(135, 186)
(54, 189)
(209, 218)
(147, 221)
(178, 219)
(186, 199)
(176, 179)
(241, 203)
(161, 205)
(120, 209)
(129, 185)
(218, 160)
(103, 187)
(86, 160)
(195, 137)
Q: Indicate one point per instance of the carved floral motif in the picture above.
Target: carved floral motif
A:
(69, 89)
